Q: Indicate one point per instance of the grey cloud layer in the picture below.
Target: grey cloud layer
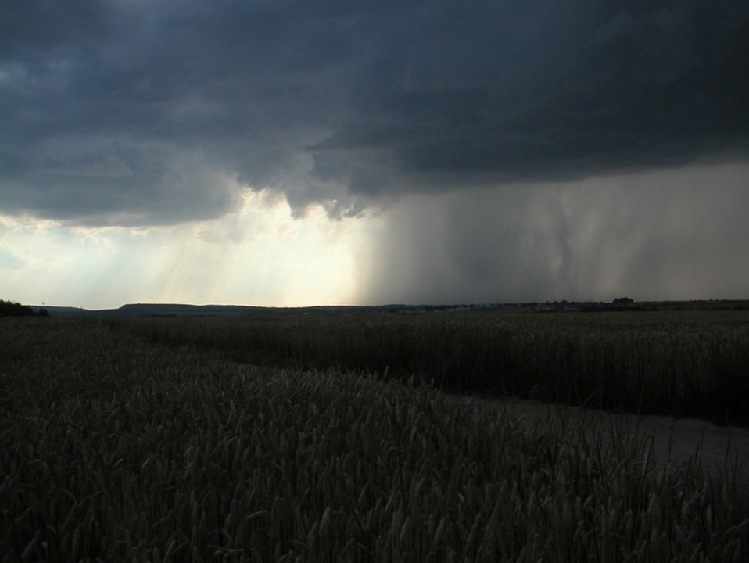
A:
(139, 111)
(650, 236)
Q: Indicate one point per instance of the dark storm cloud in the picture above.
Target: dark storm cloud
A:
(539, 91)
(672, 234)
(147, 111)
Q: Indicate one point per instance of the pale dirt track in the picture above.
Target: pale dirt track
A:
(675, 440)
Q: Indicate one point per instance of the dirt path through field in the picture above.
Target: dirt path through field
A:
(675, 439)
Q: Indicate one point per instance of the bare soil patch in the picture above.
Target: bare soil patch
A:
(720, 450)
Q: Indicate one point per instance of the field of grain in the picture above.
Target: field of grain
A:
(681, 363)
(117, 447)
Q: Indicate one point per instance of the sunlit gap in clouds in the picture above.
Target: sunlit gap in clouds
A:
(258, 254)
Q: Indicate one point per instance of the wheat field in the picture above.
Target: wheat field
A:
(117, 447)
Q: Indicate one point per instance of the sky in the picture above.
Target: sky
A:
(284, 153)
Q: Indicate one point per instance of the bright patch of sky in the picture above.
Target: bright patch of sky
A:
(257, 255)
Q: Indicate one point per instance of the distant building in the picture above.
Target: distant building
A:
(623, 301)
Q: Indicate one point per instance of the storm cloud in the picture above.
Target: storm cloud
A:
(671, 234)
(493, 150)
(157, 112)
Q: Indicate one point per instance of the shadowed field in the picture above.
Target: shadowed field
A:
(679, 363)
(116, 448)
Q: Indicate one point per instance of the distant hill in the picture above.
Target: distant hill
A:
(183, 310)
(68, 312)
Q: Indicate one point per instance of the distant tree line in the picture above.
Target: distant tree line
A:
(12, 309)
